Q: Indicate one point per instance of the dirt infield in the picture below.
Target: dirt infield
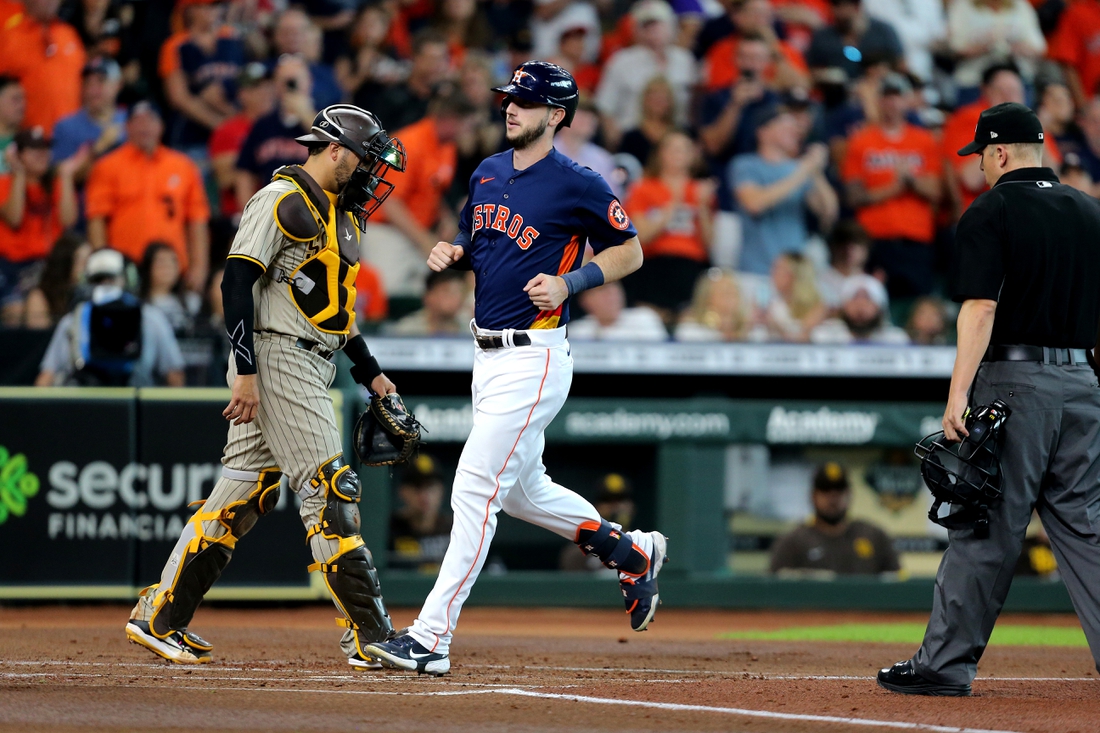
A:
(70, 668)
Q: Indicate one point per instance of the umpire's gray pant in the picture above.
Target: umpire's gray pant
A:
(1051, 462)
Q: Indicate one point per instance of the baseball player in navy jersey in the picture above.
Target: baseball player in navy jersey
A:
(522, 232)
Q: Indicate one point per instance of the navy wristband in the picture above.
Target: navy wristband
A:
(588, 277)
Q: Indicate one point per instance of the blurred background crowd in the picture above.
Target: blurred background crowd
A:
(789, 164)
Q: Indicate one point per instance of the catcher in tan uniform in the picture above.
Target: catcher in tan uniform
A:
(289, 292)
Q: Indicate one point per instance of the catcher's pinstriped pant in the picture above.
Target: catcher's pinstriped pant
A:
(1050, 462)
(295, 430)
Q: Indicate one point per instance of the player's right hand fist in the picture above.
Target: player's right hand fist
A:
(443, 255)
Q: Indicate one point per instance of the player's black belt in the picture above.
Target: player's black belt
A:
(314, 347)
(488, 343)
(1044, 354)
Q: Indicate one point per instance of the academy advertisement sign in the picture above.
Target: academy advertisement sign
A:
(94, 491)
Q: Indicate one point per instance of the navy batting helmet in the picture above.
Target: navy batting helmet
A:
(543, 83)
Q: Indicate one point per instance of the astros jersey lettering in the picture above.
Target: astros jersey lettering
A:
(518, 224)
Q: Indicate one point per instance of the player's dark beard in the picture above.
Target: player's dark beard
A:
(831, 518)
(344, 168)
(526, 137)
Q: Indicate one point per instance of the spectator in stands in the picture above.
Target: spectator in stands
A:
(921, 28)
(122, 342)
(100, 123)
(462, 23)
(673, 213)
(144, 192)
(718, 312)
(657, 120)
(256, 93)
(372, 57)
(551, 19)
(443, 312)
(1087, 146)
(784, 68)
(47, 57)
(831, 542)
(13, 107)
(571, 56)
(927, 325)
(892, 179)
(729, 117)
(852, 37)
(774, 189)
(419, 531)
(162, 287)
(56, 291)
(372, 305)
(291, 36)
(795, 307)
(849, 250)
(630, 69)
(485, 136)
(271, 143)
(1057, 113)
(615, 503)
(402, 103)
(37, 203)
(608, 319)
(575, 143)
(986, 32)
(199, 70)
(863, 317)
(1075, 174)
(416, 216)
(1073, 44)
(965, 180)
(106, 28)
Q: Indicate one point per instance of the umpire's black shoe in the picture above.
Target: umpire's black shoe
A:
(904, 679)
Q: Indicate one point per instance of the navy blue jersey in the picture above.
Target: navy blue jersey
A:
(518, 224)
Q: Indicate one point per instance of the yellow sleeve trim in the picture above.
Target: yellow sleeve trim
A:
(250, 259)
(275, 214)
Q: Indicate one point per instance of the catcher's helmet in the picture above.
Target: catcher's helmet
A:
(543, 83)
(360, 132)
(966, 474)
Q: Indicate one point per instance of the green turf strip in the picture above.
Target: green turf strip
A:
(1005, 635)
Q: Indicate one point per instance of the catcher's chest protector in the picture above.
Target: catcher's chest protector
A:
(323, 286)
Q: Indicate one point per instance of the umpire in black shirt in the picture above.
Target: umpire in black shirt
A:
(1027, 272)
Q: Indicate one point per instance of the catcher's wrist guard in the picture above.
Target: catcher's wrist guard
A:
(365, 367)
(387, 433)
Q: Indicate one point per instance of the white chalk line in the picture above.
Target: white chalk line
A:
(672, 707)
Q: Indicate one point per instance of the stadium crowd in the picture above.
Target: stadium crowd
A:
(789, 164)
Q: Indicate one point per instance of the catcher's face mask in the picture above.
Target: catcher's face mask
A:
(368, 188)
(966, 474)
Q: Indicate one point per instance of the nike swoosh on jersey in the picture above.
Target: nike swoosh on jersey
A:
(486, 180)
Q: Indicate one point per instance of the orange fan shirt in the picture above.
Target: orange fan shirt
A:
(48, 60)
(146, 199)
(959, 130)
(720, 64)
(371, 302)
(430, 168)
(41, 226)
(872, 159)
(681, 237)
(1076, 42)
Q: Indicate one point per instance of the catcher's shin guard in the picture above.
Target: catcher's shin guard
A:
(612, 546)
(205, 556)
(349, 572)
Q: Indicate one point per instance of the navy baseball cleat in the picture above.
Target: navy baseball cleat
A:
(904, 679)
(640, 593)
(405, 652)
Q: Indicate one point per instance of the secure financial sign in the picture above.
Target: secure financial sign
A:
(95, 487)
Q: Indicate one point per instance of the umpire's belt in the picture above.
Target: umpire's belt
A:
(1044, 354)
(510, 338)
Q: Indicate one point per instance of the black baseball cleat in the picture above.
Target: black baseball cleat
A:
(904, 679)
(180, 646)
(405, 652)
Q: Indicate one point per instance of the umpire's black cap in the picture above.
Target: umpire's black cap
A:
(1010, 122)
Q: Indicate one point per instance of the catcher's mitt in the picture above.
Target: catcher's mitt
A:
(387, 433)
